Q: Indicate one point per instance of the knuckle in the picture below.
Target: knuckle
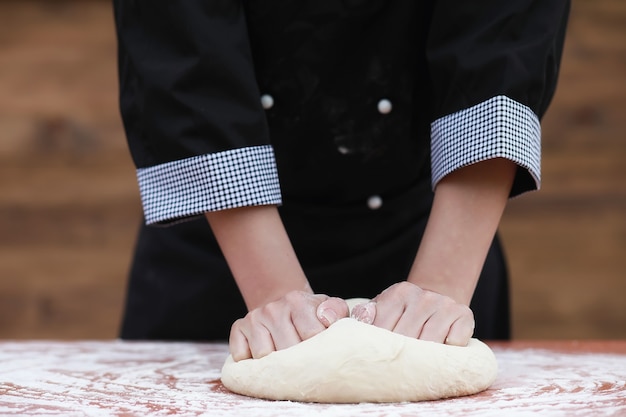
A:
(294, 298)
(255, 315)
(236, 327)
(270, 311)
(401, 292)
(408, 288)
(430, 298)
(465, 312)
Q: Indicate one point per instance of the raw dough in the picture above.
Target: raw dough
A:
(352, 362)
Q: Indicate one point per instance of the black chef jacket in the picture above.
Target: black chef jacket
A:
(344, 113)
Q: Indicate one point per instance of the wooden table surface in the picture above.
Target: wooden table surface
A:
(114, 378)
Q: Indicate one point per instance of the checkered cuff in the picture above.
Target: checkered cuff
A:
(181, 189)
(498, 127)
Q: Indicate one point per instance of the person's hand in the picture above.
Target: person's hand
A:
(295, 317)
(407, 309)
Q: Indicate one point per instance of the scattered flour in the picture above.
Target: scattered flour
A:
(139, 379)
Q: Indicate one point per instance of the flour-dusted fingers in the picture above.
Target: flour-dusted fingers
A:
(302, 309)
(331, 310)
(322, 311)
(364, 312)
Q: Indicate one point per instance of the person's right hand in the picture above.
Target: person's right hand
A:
(407, 309)
(297, 316)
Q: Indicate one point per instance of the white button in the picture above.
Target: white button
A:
(343, 150)
(384, 106)
(267, 101)
(375, 202)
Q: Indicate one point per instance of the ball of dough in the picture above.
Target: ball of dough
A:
(352, 362)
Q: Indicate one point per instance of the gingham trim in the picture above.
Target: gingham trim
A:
(498, 127)
(181, 189)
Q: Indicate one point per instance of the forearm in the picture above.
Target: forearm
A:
(466, 211)
(259, 253)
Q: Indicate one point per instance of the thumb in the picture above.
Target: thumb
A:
(365, 312)
(331, 310)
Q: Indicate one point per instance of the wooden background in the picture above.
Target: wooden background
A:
(69, 205)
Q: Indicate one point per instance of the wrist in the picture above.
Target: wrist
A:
(259, 253)
(466, 211)
(459, 287)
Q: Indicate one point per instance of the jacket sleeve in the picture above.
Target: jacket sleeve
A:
(191, 108)
(494, 67)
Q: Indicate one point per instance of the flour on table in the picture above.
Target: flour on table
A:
(78, 379)
(352, 362)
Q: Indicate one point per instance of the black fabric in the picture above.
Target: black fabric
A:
(187, 82)
(181, 289)
(192, 72)
(477, 50)
(327, 64)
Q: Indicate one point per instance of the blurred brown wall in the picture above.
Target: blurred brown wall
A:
(69, 204)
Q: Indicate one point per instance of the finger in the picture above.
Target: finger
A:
(256, 333)
(461, 331)
(302, 314)
(278, 321)
(285, 337)
(452, 324)
(437, 326)
(331, 310)
(413, 319)
(388, 313)
(238, 344)
(260, 341)
(392, 303)
(365, 312)
(387, 318)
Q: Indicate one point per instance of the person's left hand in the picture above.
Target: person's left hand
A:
(409, 310)
(294, 317)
